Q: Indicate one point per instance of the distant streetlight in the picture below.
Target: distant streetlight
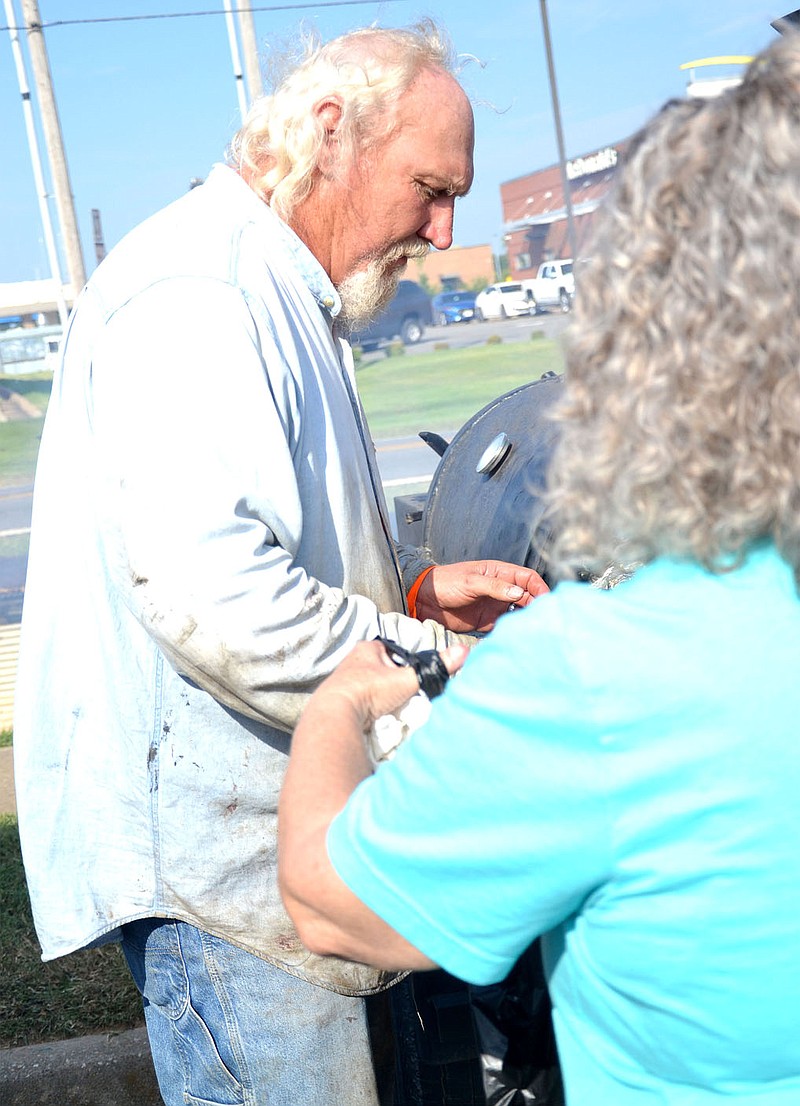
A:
(237, 65)
(246, 31)
(36, 163)
(562, 160)
(496, 258)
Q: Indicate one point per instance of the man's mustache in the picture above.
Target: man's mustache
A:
(409, 247)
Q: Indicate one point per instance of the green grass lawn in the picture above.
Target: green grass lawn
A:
(87, 992)
(442, 390)
(19, 447)
(19, 440)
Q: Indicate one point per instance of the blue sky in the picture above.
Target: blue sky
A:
(146, 106)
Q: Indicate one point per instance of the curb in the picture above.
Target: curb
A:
(9, 649)
(109, 1069)
(8, 798)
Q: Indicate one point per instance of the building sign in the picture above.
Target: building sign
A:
(593, 163)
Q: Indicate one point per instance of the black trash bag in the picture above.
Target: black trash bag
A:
(462, 1045)
(438, 1058)
(514, 1028)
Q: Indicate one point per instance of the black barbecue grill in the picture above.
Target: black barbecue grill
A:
(483, 500)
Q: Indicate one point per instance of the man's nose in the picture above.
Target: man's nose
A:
(439, 228)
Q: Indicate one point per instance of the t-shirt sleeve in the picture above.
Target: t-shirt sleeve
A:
(490, 825)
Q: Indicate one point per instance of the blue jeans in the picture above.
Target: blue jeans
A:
(228, 1028)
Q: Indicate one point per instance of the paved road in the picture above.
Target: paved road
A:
(15, 509)
(406, 460)
(406, 465)
(15, 523)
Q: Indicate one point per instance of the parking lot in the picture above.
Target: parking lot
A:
(463, 335)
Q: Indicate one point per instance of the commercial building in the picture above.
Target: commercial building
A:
(32, 302)
(535, 223)
(458, 267)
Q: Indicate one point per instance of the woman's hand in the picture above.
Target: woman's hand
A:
(328, 760)
(369, 684)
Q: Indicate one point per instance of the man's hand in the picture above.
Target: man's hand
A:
(471, 596)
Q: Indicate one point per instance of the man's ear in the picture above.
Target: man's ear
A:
(328, 113)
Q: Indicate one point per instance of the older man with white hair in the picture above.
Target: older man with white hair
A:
(209, 540)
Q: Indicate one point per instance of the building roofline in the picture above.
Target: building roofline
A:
(550, 216)
(618, 146)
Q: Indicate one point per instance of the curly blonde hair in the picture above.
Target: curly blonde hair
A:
(367, 70)
(680, 419)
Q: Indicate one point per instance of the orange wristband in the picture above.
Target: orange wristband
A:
(412, 595)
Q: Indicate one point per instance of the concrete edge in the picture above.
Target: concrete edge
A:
(108, 1069)
(8, 798)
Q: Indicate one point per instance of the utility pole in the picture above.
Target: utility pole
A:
(97, 233)
(36, 161)
(247, 33)
(51, 127)
(237, 65)
(562, 160)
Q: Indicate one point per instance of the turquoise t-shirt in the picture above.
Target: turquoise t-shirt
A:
(620, 771)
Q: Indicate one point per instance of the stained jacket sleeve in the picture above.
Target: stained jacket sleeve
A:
(239, 514)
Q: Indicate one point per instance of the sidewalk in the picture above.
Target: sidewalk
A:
(103, 1070)
(8, 803)
(107, 1069)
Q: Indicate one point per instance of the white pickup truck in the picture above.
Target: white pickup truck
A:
(553, 286)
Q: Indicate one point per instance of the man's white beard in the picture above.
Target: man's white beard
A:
(365, 293)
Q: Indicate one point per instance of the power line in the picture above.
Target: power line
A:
(47, 24)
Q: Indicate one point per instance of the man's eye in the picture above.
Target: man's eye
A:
(428, 192)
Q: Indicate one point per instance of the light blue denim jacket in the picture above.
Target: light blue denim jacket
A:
(209, 539)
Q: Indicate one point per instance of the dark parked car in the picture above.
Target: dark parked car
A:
(454, 307)
(406, 317)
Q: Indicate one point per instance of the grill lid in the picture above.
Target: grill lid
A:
(484, 499)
